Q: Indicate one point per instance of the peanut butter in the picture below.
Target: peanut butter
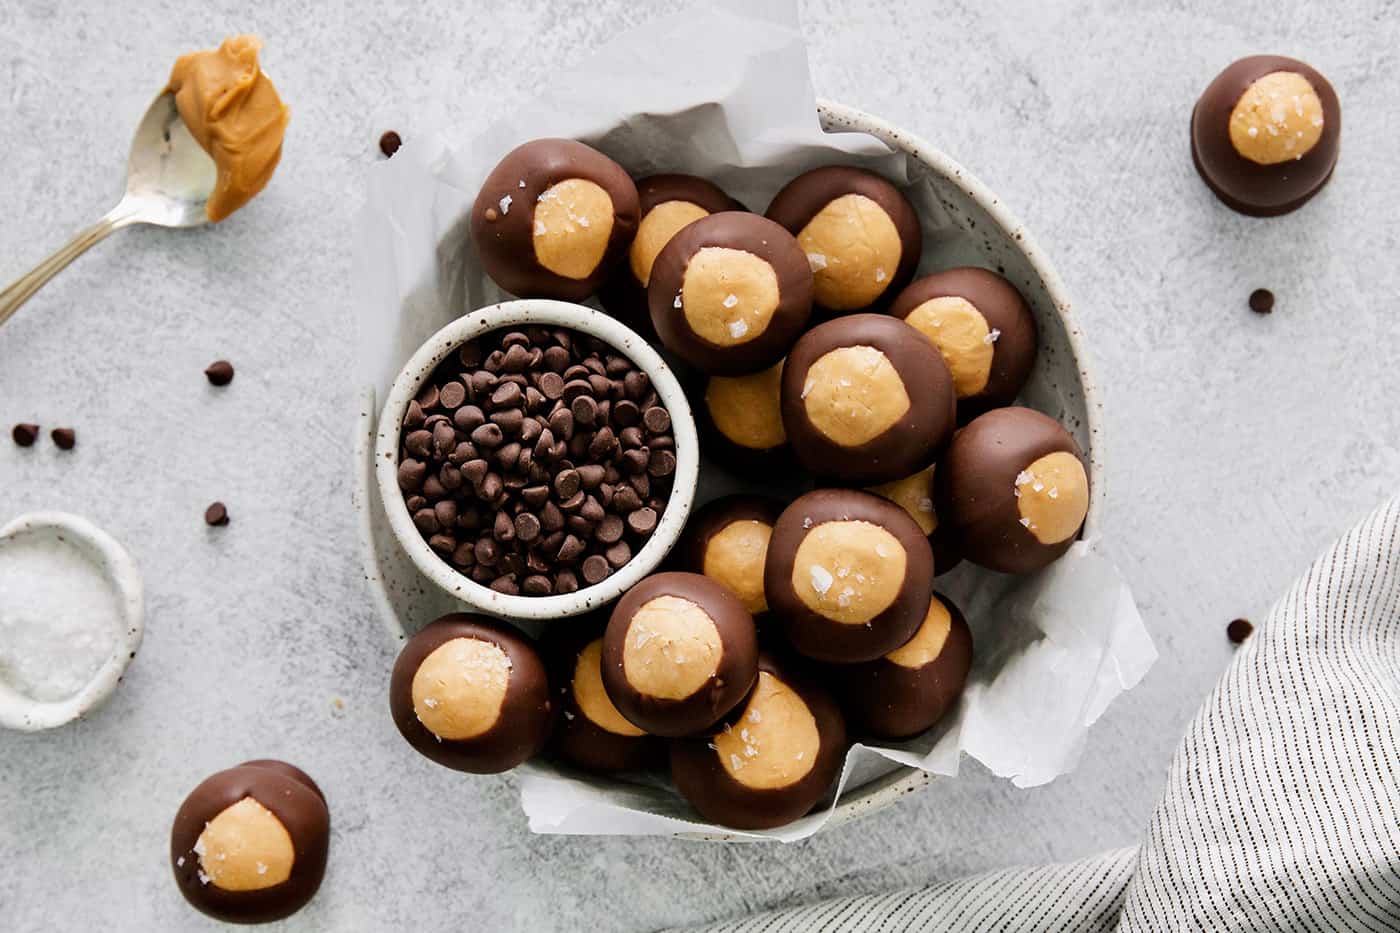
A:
(233, 111)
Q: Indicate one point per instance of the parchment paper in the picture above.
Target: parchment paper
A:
(724, 92)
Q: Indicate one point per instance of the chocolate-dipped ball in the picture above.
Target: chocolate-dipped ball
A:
(727, 541)
(1014, 489)
(592, 734)
(730, 293)
(983, 328)
(741, 418)
(906, 691)
(1265, 134)
(680, 652)
(861, 236)
(849, 573)
(914, 494)
(774, 762)
(866, 399)
(249, 844)
(472, 694)
(553, 219)
(668, 203)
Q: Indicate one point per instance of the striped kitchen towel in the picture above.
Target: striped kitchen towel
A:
(1282, 804)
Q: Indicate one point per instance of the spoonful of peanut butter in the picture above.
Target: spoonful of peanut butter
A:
(207, 144)
(233, 112)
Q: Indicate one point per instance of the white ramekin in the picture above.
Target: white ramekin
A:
(520, 313)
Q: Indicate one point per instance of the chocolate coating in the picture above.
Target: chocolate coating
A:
(1013, 350)
(624, 297)
(296, 802)
(803, 198)
(505, 239)
(526, 715)
(577, 739)
(891, 701)
(749, 233)
(975, 487)
(722, 691)
(824, 639)
(912, 442)
(1242, 184)
(699, 775)
(717, 515)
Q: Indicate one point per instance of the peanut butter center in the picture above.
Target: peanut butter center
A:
(927, 643)
(852, 395)
(914, 494)
(672, 648)
(1052, 497)
(854, 250)
(245, 848)
(1278, 119)
(848, 571)
(734, 559)
(657, 228)
(592, 698)
(775, 742)
(747, 410)
(728, 296)
(962, 335)
(460, 687)
(573, 223)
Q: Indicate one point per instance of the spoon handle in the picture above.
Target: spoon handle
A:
(20, 290)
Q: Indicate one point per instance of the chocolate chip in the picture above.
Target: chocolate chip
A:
(216, 515)
(506, 584)
(25, 434)
(462, 453)
(576, 388)
(425, 520)
(657, 420)
(556, 360)
(574, 502)
(551, 518)
(428, 397)
(1239, 630)
(571, 550)
(219, 373)
(635, 384)
(389, 143)
(486, 552)
(469, 354)
(642, 521)
(595, 569)
(413, 416)
(567, 483)
(561, 423)
(509, 456)
(635, 461)
(527, 527)
(433, 488)
(565, 581)
(631, 437)
(580, 526)
(491, 486)
(444, 440)
(603, 443)
(452, 395)
(609, 530)
(488, 435)
(446, 513)
(661, 463)
(585, 410)
(625, 413)
(504, 529)
(517, 358)
(411, 473)
(475, 471)
(537, 585)
(626, 500)
(510, 421)
(617, 555)
(591, 510)
(464, 555)
(642, 483)
(1261, 301)
(64, 438)
(443, 543)
(482, 383)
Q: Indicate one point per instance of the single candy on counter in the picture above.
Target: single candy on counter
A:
(727, 541)
(914, 494)
(472, 694)
(1265, 134)
(861, 236)
(866, 399)
(249, 844)
(983, 328)
(741, 418)
(553, 219)
(849, 573)
(1014, 489)
(774, 762)
(909, 689)
(668, 203)
(730, 293)
(679, 653)
(592, 734)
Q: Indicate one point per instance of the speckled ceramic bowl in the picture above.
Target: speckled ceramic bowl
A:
(111, 561)
(553, 314)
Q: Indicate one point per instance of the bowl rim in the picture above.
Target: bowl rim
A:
(549, 312)
(23, 714)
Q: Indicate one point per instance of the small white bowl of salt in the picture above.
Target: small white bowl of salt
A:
(70, 618)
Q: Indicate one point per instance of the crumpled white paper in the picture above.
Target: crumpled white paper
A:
(724, 92)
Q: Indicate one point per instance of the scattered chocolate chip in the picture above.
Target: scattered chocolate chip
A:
(219, 372)
(216, 515)
(389, 143)
(25, 434)
(1239, 630)
(1261, 301)
(64, 438)
(595, 569)
(642, 521)
(661, 463)
(657, 420)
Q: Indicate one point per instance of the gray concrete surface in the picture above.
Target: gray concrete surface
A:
(1238, 446)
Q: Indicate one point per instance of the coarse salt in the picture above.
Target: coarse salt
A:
(817, 261)
(992, 336)
(738, 329)
(821, 579)
(505, 204)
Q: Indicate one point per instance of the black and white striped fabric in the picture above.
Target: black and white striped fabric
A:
(1282, 806)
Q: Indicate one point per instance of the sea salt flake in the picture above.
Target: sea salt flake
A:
(1038, 486)
(808, 386)
(807, 522)
(677, 302)
(180, 862)
(735, 762)
(1025, 523)
(821, 579)
(199, 845)
(738, 329)
(801, 755)
(568, 715)
(203, 878)
(1023, 478)
(430, 703)
(750, 751)
(506, 203)
(755, 716)
(730, 300)
(1054, 492)
(522, 183)
(713, 746)
(925, 505)
(539, 228)
(1253, 132)
(817, 261)
(881, 551)
(1317, 121)
(880, 274)
(992, 336)
(581, 221)
(843, 572)
(262, 868)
